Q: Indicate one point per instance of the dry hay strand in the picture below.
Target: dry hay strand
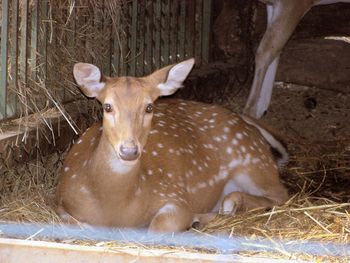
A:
(27, 191)
(322, 169)
(301, 218)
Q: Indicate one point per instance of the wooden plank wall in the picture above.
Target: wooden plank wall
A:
(162, 32)
(156, 33)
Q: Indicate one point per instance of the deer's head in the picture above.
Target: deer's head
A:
(128, 102)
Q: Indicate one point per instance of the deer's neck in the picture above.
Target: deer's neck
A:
(110, 175)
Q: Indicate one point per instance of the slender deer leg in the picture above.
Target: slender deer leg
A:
(238, 201)
(171, 218)
(256, 192)
(283, 17)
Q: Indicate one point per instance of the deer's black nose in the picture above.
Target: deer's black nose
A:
(129, 151)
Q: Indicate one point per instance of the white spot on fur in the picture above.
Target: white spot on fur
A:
(226, 129)
(138, 191)
(234, 163)
(79, 141)
(202, 185)
(255, 160)
(211, 182)
(84, 190)
(153, 131)
(217, 139)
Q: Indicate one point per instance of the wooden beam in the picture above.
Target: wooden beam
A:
(14, 250)
(4, 54)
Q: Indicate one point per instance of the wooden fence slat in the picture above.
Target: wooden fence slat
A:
(198, 31)
(165, 32)
(181, 37)
(133, 38)
(190, 28)
(34, 38)
(173, 30)
(207, 6)
(12, 107)
(116, 56)
(24, 38)
(43, 25)
(4, 56)
(148, 37)
(157, 29)
(141, 39)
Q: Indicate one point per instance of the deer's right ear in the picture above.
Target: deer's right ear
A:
(88, 77)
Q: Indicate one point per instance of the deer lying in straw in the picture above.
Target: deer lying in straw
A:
(164, 164)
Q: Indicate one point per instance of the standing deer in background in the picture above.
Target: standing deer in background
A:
(163, 165)
(282, 18)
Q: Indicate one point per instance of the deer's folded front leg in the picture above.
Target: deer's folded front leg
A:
(172, 218)
(239, 201)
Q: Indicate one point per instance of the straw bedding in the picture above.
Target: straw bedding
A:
(317, 178)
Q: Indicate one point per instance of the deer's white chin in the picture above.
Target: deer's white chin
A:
(121, 167)
(129, 163)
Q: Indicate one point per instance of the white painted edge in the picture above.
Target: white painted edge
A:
(13, 250)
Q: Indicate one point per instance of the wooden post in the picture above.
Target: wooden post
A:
(4, 55)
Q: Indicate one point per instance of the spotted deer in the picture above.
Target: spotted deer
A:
(282, 18)
(165, 164)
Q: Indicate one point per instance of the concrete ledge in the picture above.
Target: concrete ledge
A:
(13, 250)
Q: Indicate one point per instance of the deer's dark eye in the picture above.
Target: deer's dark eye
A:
(107, 107)
(149, 108)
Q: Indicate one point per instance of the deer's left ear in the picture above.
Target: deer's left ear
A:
(88, 77)
(170, 79)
